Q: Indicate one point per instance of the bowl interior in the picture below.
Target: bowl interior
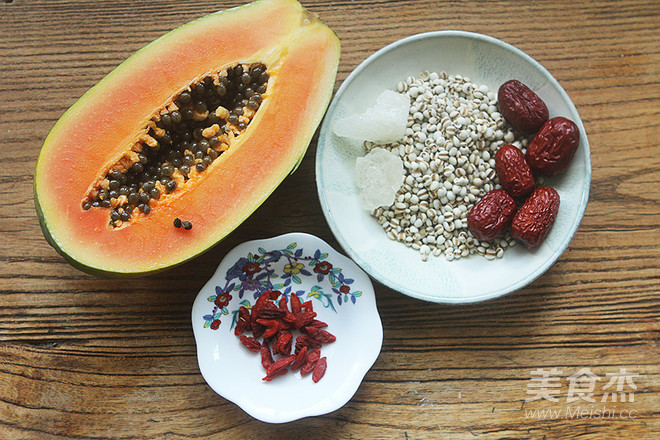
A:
(484, 60)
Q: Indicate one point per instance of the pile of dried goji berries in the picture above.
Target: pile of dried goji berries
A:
(549, 153)
(271, 320)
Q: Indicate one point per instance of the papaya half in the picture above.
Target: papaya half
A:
(179, 144)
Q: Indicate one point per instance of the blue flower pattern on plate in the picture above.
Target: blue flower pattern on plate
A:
(254, 274)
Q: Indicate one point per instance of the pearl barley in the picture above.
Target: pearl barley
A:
(454, 130)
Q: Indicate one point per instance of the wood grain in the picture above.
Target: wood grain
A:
(83, 358)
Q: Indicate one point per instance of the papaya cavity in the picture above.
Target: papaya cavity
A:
(180, 142)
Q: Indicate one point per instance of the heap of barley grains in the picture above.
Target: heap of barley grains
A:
(454, 130)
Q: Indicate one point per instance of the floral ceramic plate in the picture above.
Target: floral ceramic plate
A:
(485, 60)
(342, 296)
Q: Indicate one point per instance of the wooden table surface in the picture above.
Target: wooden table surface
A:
(91, 358)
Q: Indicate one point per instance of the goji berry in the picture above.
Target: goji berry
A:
(280, 364)
(283, 344)
(243, 322)
(301, 358)
(319, 369)
(270, 311)
(277, 373)
(304, 318)
(301, 341)
(316, 323)
(271, 319)
(285, 325)
(307, 306)
(257, 330)
(284, 305)
(320, 335)
(307, 368)
(258, 304)
(272, 327)
(306, 341)
(295, 304)
(289, 317)
(251, 343)
(312, 357)
(266, 355)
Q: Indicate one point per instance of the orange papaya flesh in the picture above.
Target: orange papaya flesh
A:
(301, 55)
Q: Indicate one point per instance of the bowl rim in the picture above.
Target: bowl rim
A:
(325, 131)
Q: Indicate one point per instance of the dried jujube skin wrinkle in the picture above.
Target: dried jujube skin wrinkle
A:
(515, 174)
(553, 147)
(492, 215)
(181, 141)
(521, 107)
(534, 219)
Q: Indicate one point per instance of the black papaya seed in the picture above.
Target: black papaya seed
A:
(174, 141)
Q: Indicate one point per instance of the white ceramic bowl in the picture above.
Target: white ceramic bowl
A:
(286, 263)
(485, 60)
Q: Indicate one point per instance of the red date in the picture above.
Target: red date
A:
(491, 215)
(535, 217)
(553, 147)
(514, 172)
(521, 107)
